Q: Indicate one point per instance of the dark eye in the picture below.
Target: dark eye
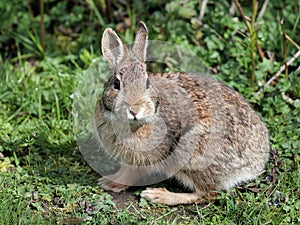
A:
(117, 84)
(147, 83)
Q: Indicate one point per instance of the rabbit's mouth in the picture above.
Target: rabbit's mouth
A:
(135, 115)
(136, 123)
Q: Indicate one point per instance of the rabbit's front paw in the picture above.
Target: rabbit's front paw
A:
(109, 185)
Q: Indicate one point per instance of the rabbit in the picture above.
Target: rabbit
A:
(186, 125)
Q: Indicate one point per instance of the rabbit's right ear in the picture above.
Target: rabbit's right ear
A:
(112, 47)
(140, 43)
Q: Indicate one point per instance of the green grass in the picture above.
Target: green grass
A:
(43, 176)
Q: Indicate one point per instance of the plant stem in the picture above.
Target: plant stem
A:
(284, 48)
(281, 69)
(253, 39)
(246, 19)
(251, 27)
(202, 9)
(42, 24)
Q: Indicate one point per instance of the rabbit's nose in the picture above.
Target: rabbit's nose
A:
(133, 113)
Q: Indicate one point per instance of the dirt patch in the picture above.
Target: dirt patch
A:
(125, 198)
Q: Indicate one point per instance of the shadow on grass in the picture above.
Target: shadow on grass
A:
(42, 155)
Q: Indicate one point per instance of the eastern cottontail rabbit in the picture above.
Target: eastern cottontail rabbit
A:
(182, 124)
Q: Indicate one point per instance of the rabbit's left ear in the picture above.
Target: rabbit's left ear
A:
(139, 49)
(112, 47)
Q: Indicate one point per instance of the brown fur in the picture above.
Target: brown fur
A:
(186, 124)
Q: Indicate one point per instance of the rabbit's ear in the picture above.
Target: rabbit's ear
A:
(112, 47)
(140, 43)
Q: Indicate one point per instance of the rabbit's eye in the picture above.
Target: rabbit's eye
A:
(117, 84)
(147, 83)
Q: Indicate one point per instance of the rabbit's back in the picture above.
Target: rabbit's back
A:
(232, 143)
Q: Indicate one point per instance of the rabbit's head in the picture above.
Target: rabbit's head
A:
(128, 94)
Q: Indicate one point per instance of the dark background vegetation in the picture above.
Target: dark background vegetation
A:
(45, 47)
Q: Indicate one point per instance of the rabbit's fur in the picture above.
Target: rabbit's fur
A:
(185, 124)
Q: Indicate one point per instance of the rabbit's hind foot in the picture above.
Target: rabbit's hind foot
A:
(163, 196)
